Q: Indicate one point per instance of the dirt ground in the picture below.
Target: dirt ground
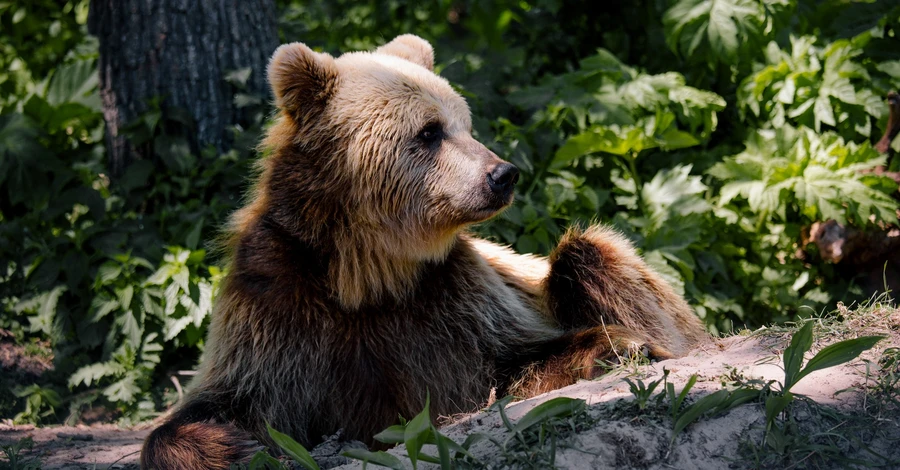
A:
(613, 440)
(80, 447)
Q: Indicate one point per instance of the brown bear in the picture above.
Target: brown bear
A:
(354, 291)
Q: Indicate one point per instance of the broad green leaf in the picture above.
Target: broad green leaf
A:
(560, 407)
(124, 389)
(293, 449)
(823, 112)
(443, 445)
(172, 296)
(603, 61)
(74, 83)
(132, 326)
(262, 460)
(193, 237)
(136, 175)
(181, 277)
(838, 353)
(90, 374)
(43, 308)
(108, 272)
(801, 341)
(174, 326)
(378, 458)
(124, 295)
(596, 140)
(890, 67)
(527, 244)
(417, 432)
(714, 30)
(674, 139)
(101, 305)
(195, 257)
(699, 408)
(392, 435)
(161, 275)
(239, 77)
(775, 404)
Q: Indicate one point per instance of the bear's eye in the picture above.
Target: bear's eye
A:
(431, 133)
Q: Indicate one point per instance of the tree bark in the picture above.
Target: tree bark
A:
(179, 51)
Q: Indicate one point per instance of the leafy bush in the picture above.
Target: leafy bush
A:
(112, 272)
(813, 86)
(711, 133)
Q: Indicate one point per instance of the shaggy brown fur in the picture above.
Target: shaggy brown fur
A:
(353, 291)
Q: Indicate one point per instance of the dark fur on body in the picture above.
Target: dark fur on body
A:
(321, 325)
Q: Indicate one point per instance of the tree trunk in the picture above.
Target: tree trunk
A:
(179, 51)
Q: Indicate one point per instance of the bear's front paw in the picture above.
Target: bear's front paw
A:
(635, 350)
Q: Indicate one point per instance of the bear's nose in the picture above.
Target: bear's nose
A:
(502, 178)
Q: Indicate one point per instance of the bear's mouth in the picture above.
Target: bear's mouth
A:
(493, 208)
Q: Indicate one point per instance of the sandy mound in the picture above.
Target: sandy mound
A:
(840, 416)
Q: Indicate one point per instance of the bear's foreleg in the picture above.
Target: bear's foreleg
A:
(597, 279)
(602, 297)
(561, 361)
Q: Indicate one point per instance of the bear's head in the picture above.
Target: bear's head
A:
(374, 150)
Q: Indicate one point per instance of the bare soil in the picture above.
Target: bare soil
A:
(79, 447)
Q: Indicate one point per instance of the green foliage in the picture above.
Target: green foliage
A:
(293, 449)
(627, 112)
(715, 403)
(885, 391)
(780, 429)
(779, 420)
(818, 175)
(38, 35)
(714, 32)
(830, 356)
(112, 272)
(643, 393)
(40, 404)
(14, 461)
(812, 86)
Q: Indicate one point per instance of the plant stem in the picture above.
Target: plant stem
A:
(537, 177)
(638, 186)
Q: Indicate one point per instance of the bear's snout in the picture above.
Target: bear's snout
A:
(502, 178)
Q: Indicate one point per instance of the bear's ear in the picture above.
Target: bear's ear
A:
(412, 48)
(302, 80)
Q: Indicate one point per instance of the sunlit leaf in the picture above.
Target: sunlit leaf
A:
(801, 341)
(837, 354)
(417, 432)
(559, 407)
(379, 458)
(292, 448)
